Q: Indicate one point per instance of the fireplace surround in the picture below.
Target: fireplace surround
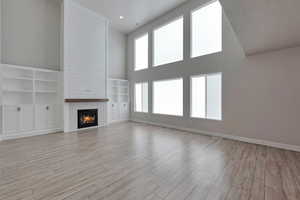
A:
(87, 118)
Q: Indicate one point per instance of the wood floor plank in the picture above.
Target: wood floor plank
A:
(131, 161)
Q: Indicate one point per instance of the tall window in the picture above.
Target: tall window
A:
(168, 97)
(141, 97)
(141, 52)
(206, 96)
(206, 24)
(168, 43)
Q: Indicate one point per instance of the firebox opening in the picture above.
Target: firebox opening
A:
(87, 118)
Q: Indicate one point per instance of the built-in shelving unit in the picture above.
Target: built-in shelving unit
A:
(31, 101)
(118, 92)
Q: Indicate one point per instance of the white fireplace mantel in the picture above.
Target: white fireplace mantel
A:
(71, 111)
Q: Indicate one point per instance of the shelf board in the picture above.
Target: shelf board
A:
(16, 90)
(44, 80)
(85, 100)
(118, 94)
(18, 78)
(46, 91)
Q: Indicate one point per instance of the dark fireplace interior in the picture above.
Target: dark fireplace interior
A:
(87, 118)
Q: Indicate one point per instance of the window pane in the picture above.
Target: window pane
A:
(138, 97)
(141, 97)
(198, 92)
(145, 97)
(207, 30)
(168, 97)
(214, 96)
(141, 52)
(168, 43)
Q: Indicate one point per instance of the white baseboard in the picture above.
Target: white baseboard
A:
(227, 136)
(118, 122)
(28, 134)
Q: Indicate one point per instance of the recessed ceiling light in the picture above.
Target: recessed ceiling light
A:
(121, 17)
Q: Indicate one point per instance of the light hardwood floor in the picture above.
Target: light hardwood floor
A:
(132, 161)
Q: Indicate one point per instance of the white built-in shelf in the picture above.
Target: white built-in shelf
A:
(28, 85)
(119, 107)
(27, 95)
(118, 90)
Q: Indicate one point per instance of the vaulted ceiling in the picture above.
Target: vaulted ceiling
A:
(264, 25)
(135, 12)
(260, 25)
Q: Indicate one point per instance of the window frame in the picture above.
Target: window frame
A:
(191, 96)
(191, 29)
(134, 95)
(134, 51)
(153, 40)
(153, 91)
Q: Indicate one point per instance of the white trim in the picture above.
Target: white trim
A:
(227, 136)
(28, 134)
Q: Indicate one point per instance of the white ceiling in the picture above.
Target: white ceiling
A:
(136, 12)
(260, 25)
(264, 25)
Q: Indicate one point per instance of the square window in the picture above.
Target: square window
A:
(168, 43)
(168, 97)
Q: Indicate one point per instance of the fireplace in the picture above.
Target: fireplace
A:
(87, 118)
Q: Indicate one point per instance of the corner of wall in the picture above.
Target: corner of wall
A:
(0, 31)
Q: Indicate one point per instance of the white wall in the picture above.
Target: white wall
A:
(1, 31)
(0, 62)
(85, 52)
(31, 33)
(261, 98)
(117, 54)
